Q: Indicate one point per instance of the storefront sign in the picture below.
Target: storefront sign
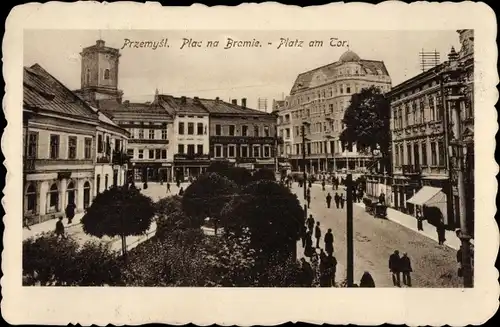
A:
(183, 157)
(241, 140)
(246, 160)
(63, 175)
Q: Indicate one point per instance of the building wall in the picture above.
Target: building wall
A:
(185, 139)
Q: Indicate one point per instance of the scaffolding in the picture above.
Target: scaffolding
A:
(428, 59)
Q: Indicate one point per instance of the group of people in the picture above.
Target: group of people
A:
(339, 200)
(400, 266)
(324, 264)
(70, 214)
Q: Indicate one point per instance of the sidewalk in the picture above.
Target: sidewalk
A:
(429, 231)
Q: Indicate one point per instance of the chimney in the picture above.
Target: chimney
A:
(234, 101)
(217, 99)
(244, 102)
(100, 43)
(183, 100)
(126, 103)
(196, 99)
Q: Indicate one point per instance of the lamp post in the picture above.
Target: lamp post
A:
(303, 129)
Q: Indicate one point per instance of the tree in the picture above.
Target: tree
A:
(119, 211)
(207, 196)
(367, 121)
(240, 175)
(264, 174)
(273, 215)
(170, 216)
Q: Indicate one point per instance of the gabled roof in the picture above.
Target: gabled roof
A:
(44, 92)
(219, 107)
(182, 105)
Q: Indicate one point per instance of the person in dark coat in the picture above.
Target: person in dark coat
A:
(406, 269)
(59, 228)
(381, 198)
(178, 183)
(441, 232)
(360, 195)
(307, 274)
(145, 185)
(395, 268)
(324, 274)
(308, 251)
(70, 212)
(181, 191)
(310, 183)
(337, 199)
(323, 184)
(329, 241)
(342, 200)
(328, 200)
(310, 222)
(308, 198)
(366, 280)
(168, 188)
(420, 224)
(331, 268)
(317, 234)
(303, 235)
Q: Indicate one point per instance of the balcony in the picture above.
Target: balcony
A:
(411, 170)
(103, 159)
(29, 165)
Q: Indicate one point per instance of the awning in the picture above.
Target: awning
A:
(428, 195)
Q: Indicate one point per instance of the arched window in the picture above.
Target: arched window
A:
(106, 74)
(54, 198)
(87, 76)
(71, 192)
(31, 198)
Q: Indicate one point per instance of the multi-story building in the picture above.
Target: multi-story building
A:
(190, 138)
(420, 108)
(244, 136)
(317, 102)
(59, 154)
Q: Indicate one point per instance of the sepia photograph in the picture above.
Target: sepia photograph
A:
(238, 158)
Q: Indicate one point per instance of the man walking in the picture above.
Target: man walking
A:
(441, 232)
(337, 199)
(303, 235)
(60, 228)
(323, 184)
(406, 269)
(308, 198)
(331, 267)
(329, 241)
(328, 200)
(70, 212)
(310, 222)
(317, 234)
(395, 268)
(420, 225)
(342, 200)
(168, 187)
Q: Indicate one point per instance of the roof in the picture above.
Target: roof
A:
(43, 91)
(328, 72)
(219, 107)
(182, 105)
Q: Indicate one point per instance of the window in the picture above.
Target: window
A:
(87, 76)
(164, 134)
(151, 134)
(218, 130)
(190, 128)
(190, 149)
(141, 133)
(231, 150)
(199, 149)
(108, 146)
(54, 198)
(396, 155)
(432, 108)
(180, 149)
(72, 147)
(231, 130)
(132, 132)
(31, 198)
(256, 151)
(244, 130)
(433, 153)
(348, 89)
(54, 146)
(106, 74)
(218, 151)
(164, 154)
(117, 145)
(441, 153)
(181, 128)
(244, 151)
(158, 153)
(408, 154)
(424, 154)
(422, 110)
(199, 128)
(256, 131)
(100, 145)
(266, 131)
(267, 151)
(287, 133)
(414, 112)
(32, 145)
(151, 154)
(416, 154)
(407, 115)
(88, 148)
(141, 154)
(130, 153)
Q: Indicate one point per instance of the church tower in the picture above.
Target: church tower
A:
(99, 74)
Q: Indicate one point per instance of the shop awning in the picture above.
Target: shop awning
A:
(428, 195)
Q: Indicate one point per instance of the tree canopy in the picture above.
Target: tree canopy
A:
(367, 121)
(240, 175)
(264, 174)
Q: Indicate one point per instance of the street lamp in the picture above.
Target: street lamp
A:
(303, 127)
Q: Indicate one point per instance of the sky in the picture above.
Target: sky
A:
(238, 72)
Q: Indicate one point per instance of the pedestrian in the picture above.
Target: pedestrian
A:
(337, 199)
(178, 183)
(381, 198)
(161, 181)
(420, 219)
(307, 274)
(406, 269)
(395, 268)
(308, 198)
(441, 231)
(329, 241)
(342, 200)
(168, 187)
(317, 234)
(366, 280)
(310, 183)
(303, 235)
(323, 185)
(145, 185)
(70, 212)
(328, 200)
(181, 191)
(324, 273)
(331, 267)
(60, 228)
(308, 250)
(360, 195)
(310, 222)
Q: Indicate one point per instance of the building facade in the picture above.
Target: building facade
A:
(317, 103)
(59, 147)
(421, 161)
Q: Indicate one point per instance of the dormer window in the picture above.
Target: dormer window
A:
(106, 74)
